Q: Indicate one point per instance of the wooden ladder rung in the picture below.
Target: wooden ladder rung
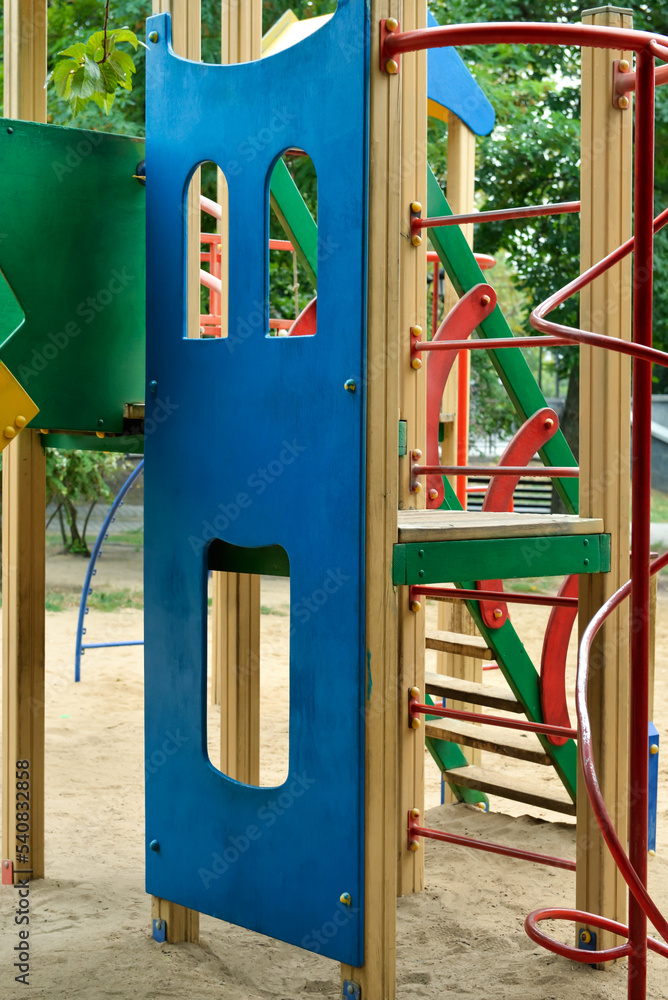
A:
(472, 693)
(455, 642)
(524, 746)
(485, 780)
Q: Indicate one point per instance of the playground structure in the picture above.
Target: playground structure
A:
(354, 738)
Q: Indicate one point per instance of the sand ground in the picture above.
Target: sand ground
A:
(90, 930)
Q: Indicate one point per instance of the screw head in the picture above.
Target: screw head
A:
(100, 422)
(415, 723)
(153, 386)
(416, 331)
(416, 207)
(99, 434)
(416, 488)
(5, 864)
(20, 421)
(416, 363)
(391, 67)
(10, 131)
(416, 240)
(585, 937)
(623, 66)
(654, 749)
(345, 898)
(10, 432)
(652, 853)
(549, 423)
(415, 606)
(433, 494)
(485, 300)
(350, 385)
(391, 24)
(623, 103)
(498, 613)
(153, 37)
(414, 846)
(416, 454)
(415, 813)
(154, 846)
(351, 990)
(414, 692)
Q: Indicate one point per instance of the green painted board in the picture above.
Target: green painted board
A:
(511, 366)
(73, 253)
(502, 558)
(295, 218)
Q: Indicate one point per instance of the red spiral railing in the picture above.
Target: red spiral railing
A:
(633, 867)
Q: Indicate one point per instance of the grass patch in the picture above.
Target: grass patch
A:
(264, 610)
(99, 600)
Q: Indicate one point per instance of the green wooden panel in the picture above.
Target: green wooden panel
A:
(72, 251)
(510, 364)
(295, 218)
(502, 558)
(125, 444)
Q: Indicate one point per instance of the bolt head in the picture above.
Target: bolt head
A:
(345, 898)
(153, 37)
(416, 488)
(99, 434)
(654, 749)
(498, 613)
(350, 385)
(623, 65)
(415, 606)
(652, 853)
(416, 240)
(414, 846)
(485, 300)
(414, 692)
(391, 67)
(416, 454)
(416, 331)
(415, 723)
(415, 813)
(10, 432)
(154, 846)
(549, 423)
(20, 421)
(433, 494)
(416, 363)
(416, 207)
(623, 103)
(6, 864)
(391, 24)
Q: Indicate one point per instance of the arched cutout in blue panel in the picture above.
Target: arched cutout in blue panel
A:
(207, 279)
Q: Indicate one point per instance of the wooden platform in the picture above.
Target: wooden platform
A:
(524, 746)
(535, 793)
(496, 696)
(449, 525)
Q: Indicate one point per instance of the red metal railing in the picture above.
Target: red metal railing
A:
(634, 866)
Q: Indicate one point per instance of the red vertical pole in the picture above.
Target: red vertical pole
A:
(463, 378)
(434, 300)
(640, 485)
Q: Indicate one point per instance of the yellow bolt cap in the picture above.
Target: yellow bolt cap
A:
(414, 846)
(654, 748)
(415, 606)
(485, 300)
(10, 432)
(391, 24)
(623, 65)
(416, 207)
(623, 103)
(99, 434)
(416, 363)
(433, 494)
(416, 240)
(416, 331)
(498, 613)
(414, 692)
(416, 488)
(549, 423)
(20, 421)
(651, 853)
(391, 67)
(415, 723)
(416, 454)
(415, 813)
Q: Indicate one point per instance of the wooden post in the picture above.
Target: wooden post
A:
(235, 653)
(377, 976)
(412, 404)
(605, 307)
(183, 924)
(455, 617)
(24, 513)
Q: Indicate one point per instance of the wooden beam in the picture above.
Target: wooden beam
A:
(183, 924)
(24, 513)
(378, 975)
(412, 408)
(460, 192)
(605, 307)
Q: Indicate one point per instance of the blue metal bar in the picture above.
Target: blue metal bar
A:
(103, 645)
(90, 572)
(653, 789)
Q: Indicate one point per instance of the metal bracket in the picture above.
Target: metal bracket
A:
(351, 991)
(623, 80)
(160, 930)
(587, 940)
(7, 873)
(393, 64)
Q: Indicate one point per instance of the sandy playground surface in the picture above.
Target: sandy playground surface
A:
(90, 919)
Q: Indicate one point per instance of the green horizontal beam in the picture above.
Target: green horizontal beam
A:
(499, 558)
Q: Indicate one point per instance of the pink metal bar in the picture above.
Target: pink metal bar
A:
(457, 593)
(502, 215)
(415, 831)
(625, 83)
(552, 472)
(416, 708)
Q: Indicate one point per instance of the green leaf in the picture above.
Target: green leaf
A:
(122, 63)
(105, 101)
(76, 51)
(125, 35)
(95, 46)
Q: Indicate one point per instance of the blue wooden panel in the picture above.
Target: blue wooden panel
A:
(653, 786)
(276, 860)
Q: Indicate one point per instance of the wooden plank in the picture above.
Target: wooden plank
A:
(444, 525)
(494, 783)
(24, 512)
(605, 307)
(183, 924)
(412, 169)
(493, 738)
(377, 978)
(469, 693)
(238, 638)
(458, 663)
(457, 642)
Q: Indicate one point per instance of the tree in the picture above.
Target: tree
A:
(74, 478)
